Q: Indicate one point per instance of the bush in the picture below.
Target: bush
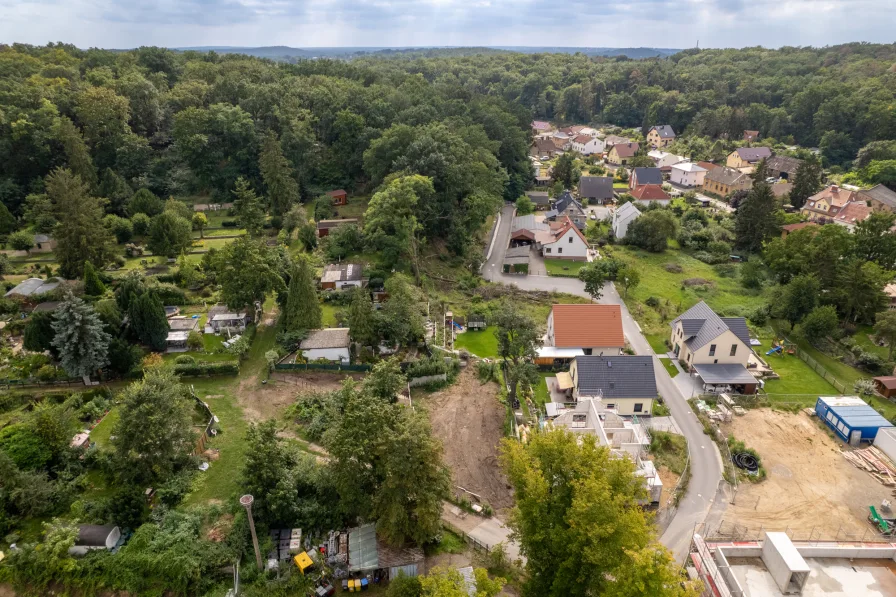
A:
(485, 371)
(870, 362)
(208, 368)
(434, 365)
(652, 301)
(230, 224)
(673, 268)
(760, 315)
(194, 341)
(140, 224)
(184, 359)
(240, 347)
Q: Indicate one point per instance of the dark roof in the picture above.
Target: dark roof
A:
(665, 131)
(326, 338)
(596, 187)
(553, 213)
(565, 200)
(782, 163)
(35, 286)
(539, 197)
(545, 146)
(46, 306)
(701, 326)
(616, 377)
(516, 255)
(648, 175)
(753, 154)
(724, 373)
(342, 272)
(94, 534)
(880, 193)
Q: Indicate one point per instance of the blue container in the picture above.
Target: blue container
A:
(852, 419)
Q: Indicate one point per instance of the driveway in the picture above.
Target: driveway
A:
(536, 263)
(705, 460)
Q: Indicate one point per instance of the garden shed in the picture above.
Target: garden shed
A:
(366, 554)
(851, 418)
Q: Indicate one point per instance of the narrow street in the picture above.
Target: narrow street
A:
(705, 460)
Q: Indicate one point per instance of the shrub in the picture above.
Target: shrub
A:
(140, 224)
(652, 301)
(47, 373)
(208, 368)
(870, 362)
(185, 359)
(240, 347)
(194, 341)
(229, 224)
(485, 371)
(863, 386)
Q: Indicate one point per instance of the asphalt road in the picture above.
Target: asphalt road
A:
(705, 460)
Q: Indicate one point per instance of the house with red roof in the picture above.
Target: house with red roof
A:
(594, 329)
(646, 194)
(563, 240)
(587, 145)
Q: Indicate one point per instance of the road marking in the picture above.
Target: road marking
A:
(702, 447)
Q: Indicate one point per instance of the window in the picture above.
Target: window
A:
(570, 240)
(638, 407)
(733, 349)
(560, 250)
(712, 350)
(830, 416)
(548, 250)
(715, 361)
(611, 405)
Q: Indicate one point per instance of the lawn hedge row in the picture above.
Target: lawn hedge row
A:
(207, 368)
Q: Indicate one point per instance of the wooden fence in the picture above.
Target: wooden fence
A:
(471, 541)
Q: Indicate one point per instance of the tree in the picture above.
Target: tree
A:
(76, 153)
(79, 337)
(248, 207)
(80, 234)
(39, 332)
(247, 270)
(283, 191)
(199, 221)
(524, 206)
(195, 341)
(295, 218)
(141, 223)
(628, 277)
(179, 208)
(752, 274)
(401, 318)
(153, 435)
(302, 310)
(7, 220)
(518, 340)
(819, 323)
(124, 356)
(755, 221)
(390, 222)
(594, 276)
(145, 202)
(571, 491)
(21, 240)
(652, 230)
(885, 328)
(122, 228)
(148, 320)
(361, 322)
(169, 234)
(566, 171)
(858, 291)
(386, 380)
(797, 299)
(93, 286)
(806, 182)
(875, 241)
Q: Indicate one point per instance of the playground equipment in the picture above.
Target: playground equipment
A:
(774, 350)
(781, 346)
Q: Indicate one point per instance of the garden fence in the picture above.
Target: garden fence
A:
(824, 373)
(319, 367)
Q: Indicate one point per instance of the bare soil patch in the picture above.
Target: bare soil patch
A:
(469, 420)
(266, 401)
(698, 282)
(670, 482)
(810, 488)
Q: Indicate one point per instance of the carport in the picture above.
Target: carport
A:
(732, 378)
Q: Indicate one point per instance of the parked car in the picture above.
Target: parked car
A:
(593, 216)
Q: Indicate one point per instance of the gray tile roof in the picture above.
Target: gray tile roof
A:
(34, 286)
(648, 176)
(725, 175)
(527, 222)
(565, 200)
(665, 131)
(539, 197)
(753, 154)
(701, 326)
(724, 373)
(596, 187)
(327, 338)
(880, 193)
(616, 377)
(782, 163)
(342, 272)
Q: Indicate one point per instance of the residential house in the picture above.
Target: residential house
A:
(880, 198)
(625, 438)
(587, 130)
(596, 189)
(33, 287)
(622, 217)
(782, 166)
(890, 291)
(723, 181)
(339, 276)
(660, 135)
(642, 176)
(708, 166)
(567, 205)
(43, 244)
(827, 203)
(625, 383)
(687, 174)
(561, 143)
(851, 214)
(179, 329)
(746, 157)
(340, 197)
(540, 126)
(330, 344)
(95, 536)
(750, 136)
(221, 318)
(587, 145)
(612, 140)
(788, 228)
(593, 329)
(717, 348)
(324, 226)
(563, 241)
(540, 199)
(621, 153)
(663, 159)
(646, 194)
(543, 148)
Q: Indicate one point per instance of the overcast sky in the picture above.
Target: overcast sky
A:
(327, 23)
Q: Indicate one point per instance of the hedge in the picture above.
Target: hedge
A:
(207, 368)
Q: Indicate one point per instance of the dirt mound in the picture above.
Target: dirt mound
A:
(469, 420)
(673, 268)
(698, 282)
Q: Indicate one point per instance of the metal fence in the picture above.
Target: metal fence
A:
(824, 373)
(319, 367)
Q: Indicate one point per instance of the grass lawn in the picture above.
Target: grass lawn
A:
(658, 342)
(103, 431)
(669, 450)
(542, 396)
(862, 339)
(328, 314)
(481, 343)
(670, 367)
(564, 267)
(355, 208)
(219, 232)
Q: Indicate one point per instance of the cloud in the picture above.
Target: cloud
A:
(306, 23)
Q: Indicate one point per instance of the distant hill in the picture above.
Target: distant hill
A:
(288, 54)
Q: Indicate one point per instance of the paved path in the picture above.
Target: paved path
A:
(488, 531)
(705, 460)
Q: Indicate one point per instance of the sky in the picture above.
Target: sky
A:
(402, 23)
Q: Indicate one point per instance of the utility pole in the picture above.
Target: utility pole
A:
(246, 502)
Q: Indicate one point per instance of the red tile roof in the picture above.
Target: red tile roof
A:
(853, 213)
(588, 326)
(583, 139)
(707, 165)
(647, 192)
(337, 193)
(626, 150)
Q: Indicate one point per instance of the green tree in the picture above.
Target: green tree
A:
(148, 320)
(859, 290)
(38, 212)
(153, 435)
(302, 310)
(524, 206)
(806, 182)
(39, 332)
(628, 277)
(179, 208)
(390, 222)
(283, 190)
(295, 218)
(79, 338)
(361, 321)
(571, 491)
(518, 340)
(652, 230)
(77, 155)
(122, 228)
(386, 380)
(116, 190)
(401, 318)
(80, 234)
(124, 356)
(247, 270)
(820, 323)
(200, 222)
(169, 234)
(594, 276)
(885, 328)
(145, 202)
(752, 274)
(797, 299)
(755, 221)
(248, 207)
(875, 240)
(93, 286)
(7, 220)
(566, 171)
(21, 240)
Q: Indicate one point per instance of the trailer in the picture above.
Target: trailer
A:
(851, 418)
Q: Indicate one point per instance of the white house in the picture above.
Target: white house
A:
(338, 276)
(587, 130)
(330, 344)
(622, 217)
(664, 159)
(587, 145)
(687, 174)
(563, 241)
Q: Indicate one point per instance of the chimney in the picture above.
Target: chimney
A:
(834, 188)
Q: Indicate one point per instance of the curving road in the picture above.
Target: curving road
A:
(705, 460)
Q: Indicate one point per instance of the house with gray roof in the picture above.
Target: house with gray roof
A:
(744, 157)
(625, 383)
(642, 176)
(782, 166)
(33, 287)
(660, 135)
(879, 198)
(596, 189)
(567, 205)
(540, 199)
(717, 348)
(330, 344)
